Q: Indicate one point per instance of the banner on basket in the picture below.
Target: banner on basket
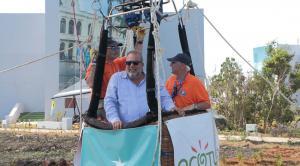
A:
(195, 140)
(124, 147)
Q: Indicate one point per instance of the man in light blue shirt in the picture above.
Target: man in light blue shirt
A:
(126, 98)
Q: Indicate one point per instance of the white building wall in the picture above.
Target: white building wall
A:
(51, 66)
(22, 40)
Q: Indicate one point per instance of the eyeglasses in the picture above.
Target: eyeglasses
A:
(132, 62)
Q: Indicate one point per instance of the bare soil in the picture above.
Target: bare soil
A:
(248, 153)
(27, 148)
(58, 148)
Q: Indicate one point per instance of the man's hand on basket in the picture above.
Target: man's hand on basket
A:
(180, 111)
(190, 107)
(117, 125)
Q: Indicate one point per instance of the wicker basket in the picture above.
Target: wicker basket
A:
(167, 151)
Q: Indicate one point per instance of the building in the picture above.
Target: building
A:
(84, 25)
(41, 34)
(87, 25)
(22, 40)
(260, 54)
(46, 33)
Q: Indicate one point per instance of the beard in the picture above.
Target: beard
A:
(132, 75)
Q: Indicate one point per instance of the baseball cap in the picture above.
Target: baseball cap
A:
(181, 57)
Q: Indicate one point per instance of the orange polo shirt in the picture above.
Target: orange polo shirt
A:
(120, 62)
(109, 69)
(190, 91)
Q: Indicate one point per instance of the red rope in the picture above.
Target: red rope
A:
(75, 27)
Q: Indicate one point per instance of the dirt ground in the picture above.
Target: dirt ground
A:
(36, 148)
(24, 148)
(248, 153)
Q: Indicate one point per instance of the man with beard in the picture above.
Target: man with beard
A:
(113, 63)
(126, 98)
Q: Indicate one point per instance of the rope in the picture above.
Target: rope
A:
(155, 7)
(82, 66)
(51, 55)
(92, 27)
(76, 31)
(81, 59)
(228, 43)
(37, 60)
(129, 44)
(190, 4)
(74, 17)
(95, 7)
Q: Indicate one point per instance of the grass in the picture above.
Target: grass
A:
(31, 116)
(278, 160)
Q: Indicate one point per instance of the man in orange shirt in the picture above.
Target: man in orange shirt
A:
(113, 64)
(186, 90)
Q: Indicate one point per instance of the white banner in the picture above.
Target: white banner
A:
(195, 140)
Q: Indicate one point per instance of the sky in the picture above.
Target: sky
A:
(22, 6)
(246, 24)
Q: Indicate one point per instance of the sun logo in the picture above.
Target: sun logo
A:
(200, 157)
(119, 163)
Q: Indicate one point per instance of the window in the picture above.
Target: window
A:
(63, 25)
(89, 29)
(62, 48)
(78, 28)
(71, 27)
(70, 52)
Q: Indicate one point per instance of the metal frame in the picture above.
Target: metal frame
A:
(131, 11)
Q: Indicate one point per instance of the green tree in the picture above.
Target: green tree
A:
(227, 89)
(252, 100)
(276, 68)
(295, 78)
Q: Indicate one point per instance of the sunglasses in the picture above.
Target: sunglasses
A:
(132, 62)
(114, 48)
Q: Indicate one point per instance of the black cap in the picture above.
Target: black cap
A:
(181, 57)
(111, 42)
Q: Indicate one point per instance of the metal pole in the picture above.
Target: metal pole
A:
(132, 11)
(80, 77)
